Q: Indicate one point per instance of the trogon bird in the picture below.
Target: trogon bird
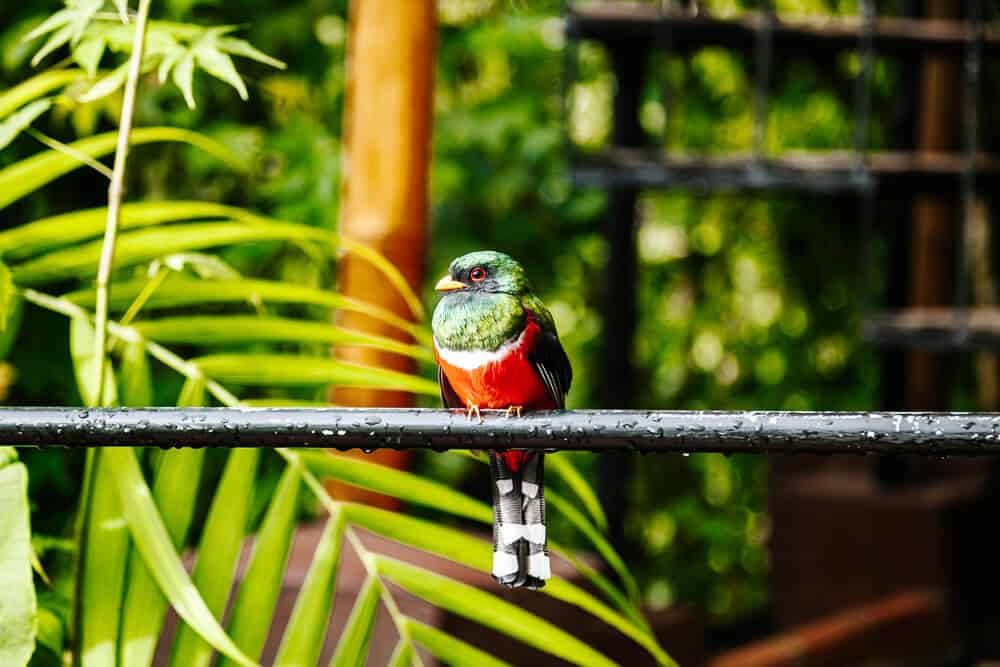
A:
(497, 347)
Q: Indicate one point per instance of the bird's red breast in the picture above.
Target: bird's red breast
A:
(499, 379)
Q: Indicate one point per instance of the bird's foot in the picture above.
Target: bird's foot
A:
(514, 411)
(473, 409)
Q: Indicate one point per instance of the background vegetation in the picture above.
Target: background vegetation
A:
(744, 302)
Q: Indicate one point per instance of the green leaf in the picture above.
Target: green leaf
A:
(145, 244)
(81, 345)
(239, 47)
(18, 604)
(234, 329)
(402, 656)
(104, 554)
(283, 370)
(18, 121)
(562, 465)
(175, 493)
(179, 291)
(261, 586)
(154, 544)
(35, 87)
(136, 378)
(87, 54)
(599, 542)
(51, 638)
(8, 296)
(70, 228)
(220, 66)
(192, 393)
(60, 37)
(352, 648)
(462, 548)
(479, 606)
(396, 483)
(26, 176)
(14, 312)
(449, 649)
(219, 550)
(303, 637)
(183, 77)
(106, 85)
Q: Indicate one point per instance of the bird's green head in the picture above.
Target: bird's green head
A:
(485, 271)
(483, 302)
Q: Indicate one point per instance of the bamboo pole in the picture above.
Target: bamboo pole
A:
(387, 131)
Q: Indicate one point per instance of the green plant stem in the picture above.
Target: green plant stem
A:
(116, 193)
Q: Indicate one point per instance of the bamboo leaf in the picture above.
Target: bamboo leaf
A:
(563, 466)
(402, 656)
(87, 54)
(449, 649)
(81, 341)
(70, 228)
(234, 329)
(26, 176)
(220, 66)
(8, 297)
(107, 84)
(175, 493)
(352, 648)
(283, 370)
(396, 483)
(219, 549)
(462, 548)
(16, 123)
(477, 605)
(599, 542)
(146, 244)
(18, 605)
(179, 291)
(154, 544)
(136, 378)
(183, 77)
(258, 593)
(35, 87)
(303, 637)
(104, 553)
(239, 47)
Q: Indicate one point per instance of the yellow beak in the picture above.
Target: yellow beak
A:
(446, 284)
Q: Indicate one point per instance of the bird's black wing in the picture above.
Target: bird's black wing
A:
(552, 365)
(448, 395)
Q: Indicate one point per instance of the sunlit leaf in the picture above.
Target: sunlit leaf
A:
(563, 466)
(220, 66)
(106, 85)
(284, 370)
(396, 483)
(37, 86)
(28, 175)
(104, 554)
(258, 593)
(179, 291)
(18, 605)
(81, 339)
(136, 377)
(69, 228)
(221, 540)
(183, 76)
(402, 655)
(352, 647)
(480, 606)
(233, 329)
(449, 649)
(14, 124)
(8, 296)
(303, 637)
(87, 54)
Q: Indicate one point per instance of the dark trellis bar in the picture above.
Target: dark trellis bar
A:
(610, 22)
(935, 434)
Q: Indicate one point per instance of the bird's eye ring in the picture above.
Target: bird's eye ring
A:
(477, 274)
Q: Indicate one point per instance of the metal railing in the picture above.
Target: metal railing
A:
(934, 434)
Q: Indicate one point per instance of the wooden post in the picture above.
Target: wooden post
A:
(387, 133)
(935, 217)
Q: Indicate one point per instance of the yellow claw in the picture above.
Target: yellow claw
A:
(514, 411)
(473, 409)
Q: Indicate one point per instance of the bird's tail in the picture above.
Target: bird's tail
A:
(520, 556)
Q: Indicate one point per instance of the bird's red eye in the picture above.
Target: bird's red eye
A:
(477, 274)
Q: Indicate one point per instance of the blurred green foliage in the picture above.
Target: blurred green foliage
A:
(745, 302)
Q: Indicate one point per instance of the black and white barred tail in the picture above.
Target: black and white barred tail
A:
(520, 555)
